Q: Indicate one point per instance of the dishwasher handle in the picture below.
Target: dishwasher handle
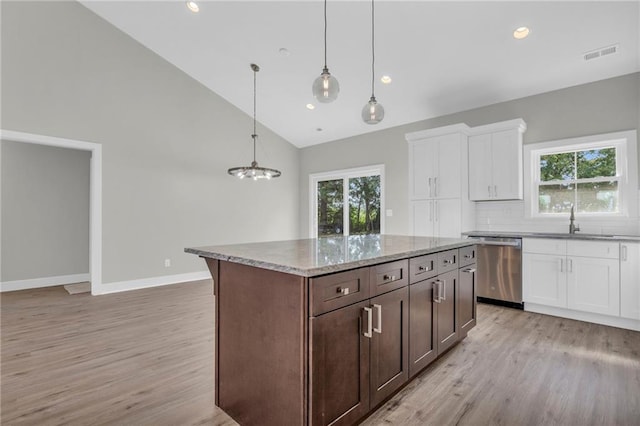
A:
(517, 244)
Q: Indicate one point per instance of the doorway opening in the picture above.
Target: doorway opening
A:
(95, 194)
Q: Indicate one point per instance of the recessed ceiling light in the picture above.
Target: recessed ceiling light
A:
(311, 106)
(284, 52)
(385, 79)
(193, 6)
(521, 32)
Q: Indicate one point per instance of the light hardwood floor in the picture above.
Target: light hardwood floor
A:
(146, 358)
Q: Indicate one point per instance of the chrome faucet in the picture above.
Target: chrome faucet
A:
(573, 227)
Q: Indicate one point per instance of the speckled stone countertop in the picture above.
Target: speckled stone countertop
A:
(319, 256)
(557, 235)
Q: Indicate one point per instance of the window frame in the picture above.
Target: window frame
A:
(345, 175)
(625, 144)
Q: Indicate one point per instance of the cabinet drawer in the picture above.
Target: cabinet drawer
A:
(467, 256)
(389, 276)
(447, 261)
(337, 290)
(544, 246)
(602, 249)
(423, 267)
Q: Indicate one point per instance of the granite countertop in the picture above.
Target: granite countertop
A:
(557, 235)
(318, 256)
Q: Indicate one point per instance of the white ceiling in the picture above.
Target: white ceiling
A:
(444, 57)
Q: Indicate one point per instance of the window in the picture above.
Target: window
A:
(592, 174)
(347, 202)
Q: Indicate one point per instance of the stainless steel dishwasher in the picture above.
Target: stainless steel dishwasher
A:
(500, 271)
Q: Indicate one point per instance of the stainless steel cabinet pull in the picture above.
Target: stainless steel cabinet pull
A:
(444, 290)
(436, 291)
(569, 265)
(623, 253)
(343, 291)
(435, 186)
(369, 331)
(447, 262)
(421, 268)
(495, 191)
(388, 277)
(430, 188)
(561, 269)
(378, 329)
(469, 271)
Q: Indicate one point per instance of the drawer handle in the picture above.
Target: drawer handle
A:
(343, 291)
(447, 262)
(469, 271)
(386, 277)
(468, 256)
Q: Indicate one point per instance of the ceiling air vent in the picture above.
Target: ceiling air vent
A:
(609, 50)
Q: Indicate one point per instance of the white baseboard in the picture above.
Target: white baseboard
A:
(43, 282)
(116, 287)
(629, 324)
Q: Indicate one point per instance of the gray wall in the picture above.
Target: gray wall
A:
(45, 211)
(599, 107)
(167, 140)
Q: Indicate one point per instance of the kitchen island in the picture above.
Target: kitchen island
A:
(322, 331)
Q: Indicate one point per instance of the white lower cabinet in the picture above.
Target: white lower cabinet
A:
(593, 285)
(630, 280)
(578, 275)
(544, 280)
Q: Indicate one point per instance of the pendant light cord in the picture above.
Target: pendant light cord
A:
(325, 34)
(254, 136)
(373, 50)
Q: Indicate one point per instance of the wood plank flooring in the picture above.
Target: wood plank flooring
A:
(146, 358)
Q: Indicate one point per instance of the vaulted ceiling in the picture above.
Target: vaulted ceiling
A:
(443, 57)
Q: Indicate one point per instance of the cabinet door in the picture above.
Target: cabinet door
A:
(422, 212)
(422, 169)
(630, 280)
(544, 280)
(389, 368)
(447, 326)
(594, 285)
(447, 218)
(506, 153)
(339, 362)
(480, 166)
(467, 299)
(446, 183)
(422, 343)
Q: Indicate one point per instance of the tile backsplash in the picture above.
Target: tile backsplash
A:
(510, 216)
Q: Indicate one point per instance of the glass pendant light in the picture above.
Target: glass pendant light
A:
(373, 112)
(254, 171)
(325, 88)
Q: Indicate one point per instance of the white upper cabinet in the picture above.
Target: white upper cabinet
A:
(630, 280)
(495, 161)
(436, 162)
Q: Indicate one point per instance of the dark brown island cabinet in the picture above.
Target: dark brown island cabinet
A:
(307, 347)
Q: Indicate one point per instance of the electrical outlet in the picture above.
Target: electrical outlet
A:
(389, 212)
(167, 263)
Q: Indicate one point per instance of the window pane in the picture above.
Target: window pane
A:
(598, 197)
(596, 163)
(330, 208)
(557, 166)
(556, 198)
(364, 205)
